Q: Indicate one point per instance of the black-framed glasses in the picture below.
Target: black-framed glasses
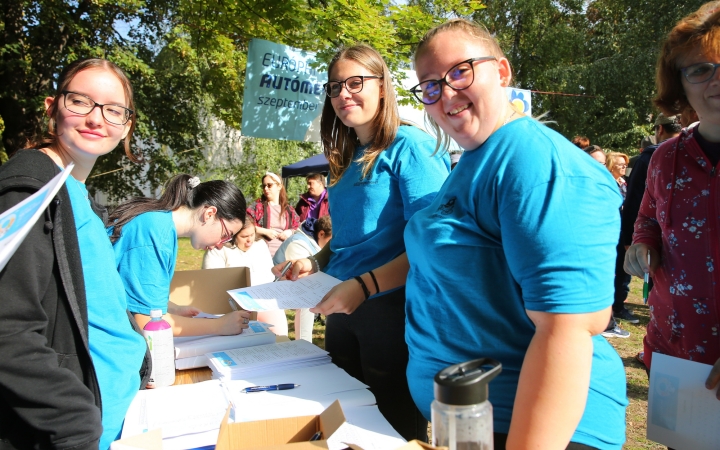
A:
(83, 105)
(459, 77)
(699, 73)
(353, 85)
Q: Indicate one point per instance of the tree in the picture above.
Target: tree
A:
(186, 59)
(603, 51)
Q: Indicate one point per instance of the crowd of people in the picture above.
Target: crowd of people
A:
(536, 244)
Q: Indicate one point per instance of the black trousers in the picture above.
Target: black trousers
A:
(501, 439)
(622, 280)
(369, 344)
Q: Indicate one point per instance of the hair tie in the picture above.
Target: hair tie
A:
(193, 182)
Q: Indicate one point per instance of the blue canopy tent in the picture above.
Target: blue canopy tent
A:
(314, 164)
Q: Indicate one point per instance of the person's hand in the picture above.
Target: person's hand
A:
(285, 234)
(267, 232)
(300, 268)
(714, 378)
(185, 311)
(232, 323)
(636, 260)
(343, 298)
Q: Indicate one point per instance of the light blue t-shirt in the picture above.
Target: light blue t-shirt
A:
(369, 214)
(117, 350)
(526, 221)
(145, 255)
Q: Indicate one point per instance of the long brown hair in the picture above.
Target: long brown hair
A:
(701, 28)
(66, 77)
(473, 31)
(282, 195)
(338, 140)
(183, 190)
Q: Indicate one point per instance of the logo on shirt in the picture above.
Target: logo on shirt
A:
(362, 181)
(447, 208)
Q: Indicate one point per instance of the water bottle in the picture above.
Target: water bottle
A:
(461, 413)
(159, 336)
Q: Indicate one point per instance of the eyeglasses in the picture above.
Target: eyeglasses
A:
(268, 185)
(621, 166)
(352, 84)
(83, 105)
(459, 77)
(699, 73)
(225, 237)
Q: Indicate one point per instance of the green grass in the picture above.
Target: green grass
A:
(637, 380)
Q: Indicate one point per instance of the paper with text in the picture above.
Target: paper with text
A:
(306, 292)
(682, 414)
(16, 222)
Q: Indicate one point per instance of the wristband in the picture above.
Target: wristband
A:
(364, 288)
(314, 263)
(377, 288)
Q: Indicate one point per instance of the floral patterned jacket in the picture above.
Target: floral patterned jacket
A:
(680, 218)
(260, 214)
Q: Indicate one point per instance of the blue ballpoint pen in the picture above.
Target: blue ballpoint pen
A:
(274, 387)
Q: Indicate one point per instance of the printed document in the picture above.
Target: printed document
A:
(16, 222)
(682, 414)
(306, 292)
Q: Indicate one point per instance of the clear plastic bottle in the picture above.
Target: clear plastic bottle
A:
(461, 414)
(159, 337)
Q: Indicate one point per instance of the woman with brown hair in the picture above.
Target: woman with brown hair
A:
(677, 226)
(72, 356)
(381, 173)
(274, 218)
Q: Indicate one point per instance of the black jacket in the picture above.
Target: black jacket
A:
(635, 192)
(49, 393)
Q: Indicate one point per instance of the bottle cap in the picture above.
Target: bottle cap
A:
(156, 313)
(466, 383)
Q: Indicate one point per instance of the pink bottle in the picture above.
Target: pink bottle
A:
(159, 337)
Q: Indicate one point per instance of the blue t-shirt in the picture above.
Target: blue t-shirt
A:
(524, 222)
(117, 350)
(145, 255)
(369, 214)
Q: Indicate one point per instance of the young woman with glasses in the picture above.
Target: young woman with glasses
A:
(144, 233)
(72, 355)
(677, 226)
(381, 173)
(502, 264)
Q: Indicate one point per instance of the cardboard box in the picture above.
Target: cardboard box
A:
(206, 289)
(292, 433)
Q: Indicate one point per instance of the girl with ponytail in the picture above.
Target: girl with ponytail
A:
(144, 234)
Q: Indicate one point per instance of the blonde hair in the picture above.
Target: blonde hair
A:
(701, 28)
(338, 140)
(612, 157)
(474, 31)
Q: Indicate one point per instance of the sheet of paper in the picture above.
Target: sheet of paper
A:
(16, 222)
(256, 334)
(682, 414)
(178, 410)
(366, 427)
(306, 292)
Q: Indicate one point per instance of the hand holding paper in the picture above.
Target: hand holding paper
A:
(303, 293)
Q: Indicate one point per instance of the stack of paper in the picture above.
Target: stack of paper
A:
(190, 351)
(190, 415)
(265, 359)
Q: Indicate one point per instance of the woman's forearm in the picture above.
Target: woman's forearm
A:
(554, 380)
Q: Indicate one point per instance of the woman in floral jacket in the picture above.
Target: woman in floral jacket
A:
(679, 218)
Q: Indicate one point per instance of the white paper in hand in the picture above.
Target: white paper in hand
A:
(306, 292)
